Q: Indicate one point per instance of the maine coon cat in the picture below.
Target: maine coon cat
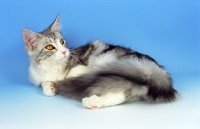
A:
(98, 74)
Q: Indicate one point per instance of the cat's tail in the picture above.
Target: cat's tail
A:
(136, 77)
(146, 73)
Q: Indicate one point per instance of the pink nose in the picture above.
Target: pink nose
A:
(64, 52)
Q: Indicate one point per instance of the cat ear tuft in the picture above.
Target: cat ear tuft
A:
(29, 37)
(55, 26)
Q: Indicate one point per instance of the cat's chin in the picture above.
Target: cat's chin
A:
(63, 59)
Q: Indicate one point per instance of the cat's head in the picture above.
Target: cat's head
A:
(48, 45)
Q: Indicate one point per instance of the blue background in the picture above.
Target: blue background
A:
(167, 30)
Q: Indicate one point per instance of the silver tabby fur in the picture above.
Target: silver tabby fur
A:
(97, 73)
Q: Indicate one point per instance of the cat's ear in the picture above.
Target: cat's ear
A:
(55, 26)
(29, 38)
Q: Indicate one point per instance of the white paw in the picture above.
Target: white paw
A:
(49, 88)
(92, 102)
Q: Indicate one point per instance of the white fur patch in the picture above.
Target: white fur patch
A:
(46, 72)
(48, 88)
(110, 99)
(78, 70)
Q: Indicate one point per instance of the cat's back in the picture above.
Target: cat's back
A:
(96, 54)
(99, 53)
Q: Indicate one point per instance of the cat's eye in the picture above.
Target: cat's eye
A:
(50, 47)
(62, 41)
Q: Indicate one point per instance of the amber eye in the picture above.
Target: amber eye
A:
(50, 47)
(62, 41)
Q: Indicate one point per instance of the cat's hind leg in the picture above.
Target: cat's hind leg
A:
(49, 88)
(109, 99)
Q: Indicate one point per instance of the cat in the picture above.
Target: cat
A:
(98, 74)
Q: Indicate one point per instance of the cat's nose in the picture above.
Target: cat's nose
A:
(64, 52)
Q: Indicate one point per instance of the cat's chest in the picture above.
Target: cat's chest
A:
(46, 73)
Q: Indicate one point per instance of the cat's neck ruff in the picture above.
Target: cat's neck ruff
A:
(46, 71)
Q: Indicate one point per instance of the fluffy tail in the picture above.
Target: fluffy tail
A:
(140, 77)
(145, 72)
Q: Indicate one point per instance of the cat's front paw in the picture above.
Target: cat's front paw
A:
(48, 88)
